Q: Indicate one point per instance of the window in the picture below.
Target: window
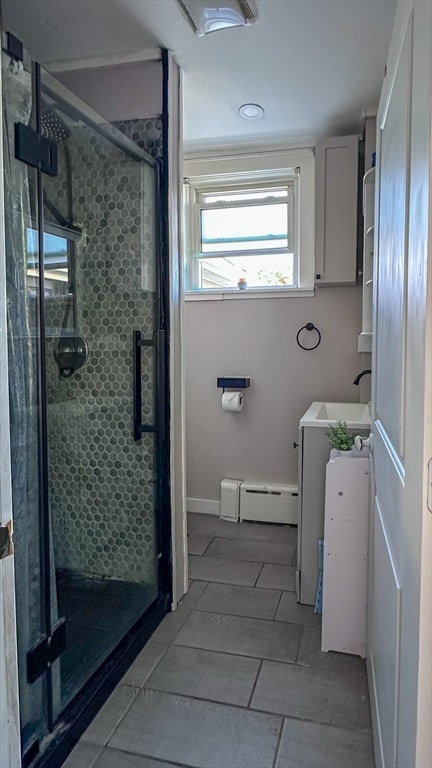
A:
(244, 229)
(245, 236)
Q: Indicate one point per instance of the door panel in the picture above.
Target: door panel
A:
(401, 369)
(394, 143)
(394, 159)
(386, 593)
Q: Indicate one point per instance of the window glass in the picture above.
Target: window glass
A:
(244, 228)
(249, 222)
(253, 271)
(244, 239)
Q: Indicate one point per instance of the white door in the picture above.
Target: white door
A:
(400, 596)
(9, 710)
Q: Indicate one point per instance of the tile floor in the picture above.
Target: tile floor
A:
(235, 678)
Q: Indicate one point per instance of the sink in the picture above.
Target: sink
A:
(356, 415)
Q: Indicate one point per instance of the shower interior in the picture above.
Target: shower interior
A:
(99, 603)
(88, 280)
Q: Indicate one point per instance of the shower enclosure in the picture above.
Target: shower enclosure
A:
(88, 390)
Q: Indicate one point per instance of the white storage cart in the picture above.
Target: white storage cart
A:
(345, 554)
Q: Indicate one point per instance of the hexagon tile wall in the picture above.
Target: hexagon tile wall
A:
(102, 483)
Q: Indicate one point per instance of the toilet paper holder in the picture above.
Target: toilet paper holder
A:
(233, 382)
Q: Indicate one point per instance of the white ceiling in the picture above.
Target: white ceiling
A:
(316, 66)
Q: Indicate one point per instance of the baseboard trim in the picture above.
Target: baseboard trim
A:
(203, 506)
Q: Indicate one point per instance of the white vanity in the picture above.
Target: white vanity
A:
(314, 453)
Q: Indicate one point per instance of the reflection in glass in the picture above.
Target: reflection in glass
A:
(56, 263)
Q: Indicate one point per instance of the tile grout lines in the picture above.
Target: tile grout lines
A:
(254, 687)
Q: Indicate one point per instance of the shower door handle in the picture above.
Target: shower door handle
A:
(138, 426)
(160, 383)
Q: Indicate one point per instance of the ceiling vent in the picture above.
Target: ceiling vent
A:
(206, 16)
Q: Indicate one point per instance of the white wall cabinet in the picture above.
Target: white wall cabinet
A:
(336, 210)
(345, 555)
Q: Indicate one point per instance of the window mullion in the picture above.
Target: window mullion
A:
(246, 204)
(200, 255)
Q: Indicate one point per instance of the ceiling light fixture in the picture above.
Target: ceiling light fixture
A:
(251, 111)
(206, 16)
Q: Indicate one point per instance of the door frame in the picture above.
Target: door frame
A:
(172, 109)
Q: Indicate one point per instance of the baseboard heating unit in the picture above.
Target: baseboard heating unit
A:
(230, 500)
(269, 503)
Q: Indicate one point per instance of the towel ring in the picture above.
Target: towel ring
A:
(308, 327)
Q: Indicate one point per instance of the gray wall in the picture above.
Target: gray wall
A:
(257, 337)
(122, 92)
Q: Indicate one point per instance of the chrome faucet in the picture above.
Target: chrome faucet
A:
(360, 376)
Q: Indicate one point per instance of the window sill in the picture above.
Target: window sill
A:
(249, 293)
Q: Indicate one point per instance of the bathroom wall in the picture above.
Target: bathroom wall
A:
(128, 91)
(257, 337)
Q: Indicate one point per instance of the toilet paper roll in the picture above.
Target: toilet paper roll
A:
(232, 401)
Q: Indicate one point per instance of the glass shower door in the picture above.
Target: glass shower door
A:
(101, 332)
(87, 353)
(32, 580)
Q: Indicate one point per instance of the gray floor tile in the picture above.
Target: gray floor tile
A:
(279, 554)
(144, 664)
(193, 518)
(197, 543)
(114, 758)
(251, 551)
(105, 722)
(240, 601)
(190, 599)
(285, 534)
(198, 733)
(313, 745)
(310, 655)
(227, 530)
(170, 625)
(82, 756)
(247, 637)
(277, 577)
(312, 694)
(237, 549)
(224, 571)
(290, 610)
(205, 675)
(221, 631)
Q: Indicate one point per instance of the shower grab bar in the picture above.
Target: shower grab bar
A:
(138, 426)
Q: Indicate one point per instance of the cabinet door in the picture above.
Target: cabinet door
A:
(336, 213)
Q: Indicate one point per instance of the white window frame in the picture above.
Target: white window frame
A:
(212, 174)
